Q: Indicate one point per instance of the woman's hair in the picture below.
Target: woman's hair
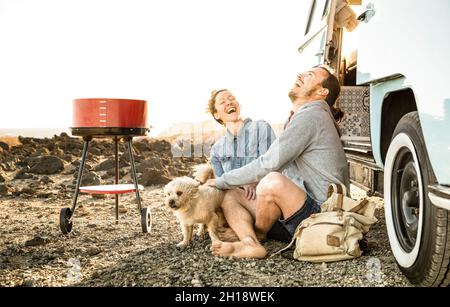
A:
(334, 89)
(212, 104)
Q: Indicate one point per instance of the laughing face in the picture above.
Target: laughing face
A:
(308, 84)
(227, 107)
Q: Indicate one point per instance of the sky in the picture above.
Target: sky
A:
(171, 53)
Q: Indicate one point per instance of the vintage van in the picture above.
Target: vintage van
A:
(393, 61)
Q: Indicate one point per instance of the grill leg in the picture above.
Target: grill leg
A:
(133, 170)
(80, 173)
(116, 180)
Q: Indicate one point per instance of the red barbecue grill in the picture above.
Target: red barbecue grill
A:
(119, 119)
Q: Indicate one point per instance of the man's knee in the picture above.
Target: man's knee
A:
(270, 185)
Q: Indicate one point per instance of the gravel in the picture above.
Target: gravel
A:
(99, 252)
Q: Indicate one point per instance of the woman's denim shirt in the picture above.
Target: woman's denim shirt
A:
(231, 152)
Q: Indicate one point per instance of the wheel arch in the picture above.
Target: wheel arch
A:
(395, 105)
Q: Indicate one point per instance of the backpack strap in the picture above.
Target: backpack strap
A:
(359, 206)
(337, 193)
(294, 237)
(338, 188)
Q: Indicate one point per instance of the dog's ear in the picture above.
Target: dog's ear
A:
(191, 190)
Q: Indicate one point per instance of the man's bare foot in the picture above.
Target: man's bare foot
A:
(247, 248)
(227, 234)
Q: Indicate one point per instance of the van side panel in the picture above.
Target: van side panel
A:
(410, 38)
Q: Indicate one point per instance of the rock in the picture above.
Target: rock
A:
(105, 165)
(46, 180)
(323, 266)
(2, 176)
(70, 170)
(41, 152)
(4, 146)
(44, 194)
(5, 190)
(141, 145)
(124, 160)
(161, 146)
(27, 190)
(36, 241)
(47, 165)
(28, 161)
(125, 157)
(153, 176)
(93, 250)
(7, 166)
(87, 166)
(67, 157)
(25, 140)
(27, 283)
(112, 172)
(91, 178)
(92, 158)
(71, 145)
(154, 163)
(22, 174)
(95, 151)
(57, 152)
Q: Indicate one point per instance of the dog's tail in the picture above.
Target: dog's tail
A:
(203, 172)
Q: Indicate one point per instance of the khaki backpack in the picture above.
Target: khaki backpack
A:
(335, 232)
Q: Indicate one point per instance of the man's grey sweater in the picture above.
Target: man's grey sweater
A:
(309, 152)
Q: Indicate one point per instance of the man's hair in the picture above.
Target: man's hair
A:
(334, 89)
(212, 104)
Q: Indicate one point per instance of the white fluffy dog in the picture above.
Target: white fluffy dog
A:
(193, 203)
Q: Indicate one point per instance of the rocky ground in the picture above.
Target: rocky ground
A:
(37, 180)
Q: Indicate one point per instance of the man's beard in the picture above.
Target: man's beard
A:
(308, 93)
(292, 95)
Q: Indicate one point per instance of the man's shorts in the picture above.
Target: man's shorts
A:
(283, 230)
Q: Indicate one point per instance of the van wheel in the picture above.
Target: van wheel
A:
(419, 233)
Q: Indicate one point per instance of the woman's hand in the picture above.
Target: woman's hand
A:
(250, 191)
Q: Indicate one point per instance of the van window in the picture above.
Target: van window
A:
(318, 11)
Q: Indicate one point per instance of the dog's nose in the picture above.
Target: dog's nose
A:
(172, 203)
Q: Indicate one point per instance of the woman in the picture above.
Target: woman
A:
(244, 140)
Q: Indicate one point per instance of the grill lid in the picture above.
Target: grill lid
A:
(109, 116)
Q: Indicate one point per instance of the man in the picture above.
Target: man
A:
(293, 174)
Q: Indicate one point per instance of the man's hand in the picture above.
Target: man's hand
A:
(211, 182)
(250, 191)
